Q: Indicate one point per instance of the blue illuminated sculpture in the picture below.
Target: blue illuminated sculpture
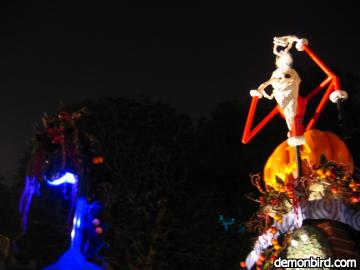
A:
(57, 152)
(73, 259)
(66, 178)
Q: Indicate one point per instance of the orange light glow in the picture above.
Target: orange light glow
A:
(282, 164)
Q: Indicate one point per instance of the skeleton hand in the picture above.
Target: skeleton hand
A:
(300, 44)
(256, 93)
(338, 95)
(287, 43)
(281, 41)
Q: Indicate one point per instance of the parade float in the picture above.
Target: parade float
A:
(308, 191)
(62, 163)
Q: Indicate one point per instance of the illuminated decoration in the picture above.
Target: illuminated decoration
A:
(243, 264)
(95, 229)
(72, 259)
(226, 222)
(308, 241)
(53, 152)
(281, 163)
(97, 160)
(277, 215)
(31, 186)
(285, 83)
(78, 223)
(99, 230)
(307, 177)
(61, 147)
(67, 178)
(96, 222)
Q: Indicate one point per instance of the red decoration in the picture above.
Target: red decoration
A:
(331, 83)
(65, 116)
(273, 230)
(97, 160)
(319, 143)
(275, 202)
(99, 230)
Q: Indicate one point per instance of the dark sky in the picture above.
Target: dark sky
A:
(192, 58)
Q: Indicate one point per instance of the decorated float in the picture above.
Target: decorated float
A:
(308, 191)
(62, 161)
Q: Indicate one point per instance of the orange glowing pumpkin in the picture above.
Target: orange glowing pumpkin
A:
(282, 163)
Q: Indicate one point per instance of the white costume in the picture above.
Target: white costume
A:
(285, 81)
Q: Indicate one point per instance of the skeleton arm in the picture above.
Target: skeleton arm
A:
(260, 92)
(287, 42)
(263, 86)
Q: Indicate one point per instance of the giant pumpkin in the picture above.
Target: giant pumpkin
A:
(282, 162)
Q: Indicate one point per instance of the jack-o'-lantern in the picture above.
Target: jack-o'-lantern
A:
(282, 162)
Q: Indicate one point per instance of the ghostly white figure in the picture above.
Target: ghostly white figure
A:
(285, 81)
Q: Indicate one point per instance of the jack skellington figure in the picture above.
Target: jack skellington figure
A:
(285, 83)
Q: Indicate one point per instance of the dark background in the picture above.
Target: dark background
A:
(191, 57)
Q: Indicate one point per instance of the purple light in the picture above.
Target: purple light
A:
(30, 188)
(66, 178)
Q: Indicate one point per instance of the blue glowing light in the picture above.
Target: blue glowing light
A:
(66, 178)
(31, 185)
(226, 222)
(78, 223)
(72, 259)
(72, 234)
(77, 230)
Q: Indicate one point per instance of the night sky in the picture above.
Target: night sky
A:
(192, 58)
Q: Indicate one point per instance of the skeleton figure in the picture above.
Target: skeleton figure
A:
(285, 81)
